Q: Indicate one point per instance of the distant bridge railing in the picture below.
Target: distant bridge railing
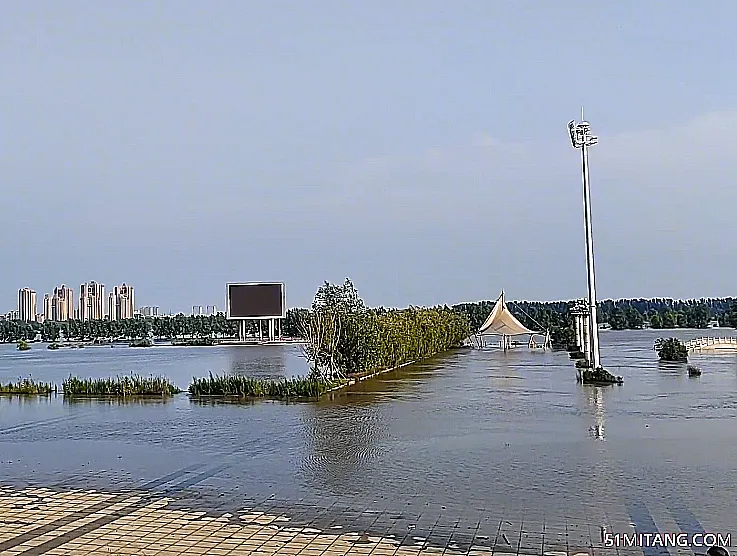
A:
(698, 344)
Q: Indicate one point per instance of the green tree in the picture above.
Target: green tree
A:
(731, 315)
(671, 349)
(618, 319)
(633, 319)
(670, 319)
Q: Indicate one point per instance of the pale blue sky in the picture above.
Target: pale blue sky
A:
(416, 146)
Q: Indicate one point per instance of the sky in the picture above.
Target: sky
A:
(418, 147)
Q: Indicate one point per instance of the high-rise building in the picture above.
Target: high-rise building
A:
(26, 304)
(211, 309)
(121, 303)
(92, 301)
(47, 307)
(197, 309)
(62, 304)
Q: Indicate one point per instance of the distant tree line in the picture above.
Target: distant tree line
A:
(622, 314)
(179, 326)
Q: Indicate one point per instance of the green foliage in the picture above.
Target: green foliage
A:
(143, 342)
(622, 314)
(671, 349)
(730, 317)
(245, 387)
(121, 386)
(345, 337)
(599, 376)
(194, 342)
(179, 326)
(292, 324)
(342, 299)
(27, 386)
(656, 321)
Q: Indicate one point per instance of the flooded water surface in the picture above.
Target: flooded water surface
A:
(470, 433)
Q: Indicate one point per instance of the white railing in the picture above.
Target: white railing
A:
(706, 343)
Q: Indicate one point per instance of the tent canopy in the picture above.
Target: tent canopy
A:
(502, 321)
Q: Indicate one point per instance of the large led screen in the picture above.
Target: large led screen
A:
(261, 300)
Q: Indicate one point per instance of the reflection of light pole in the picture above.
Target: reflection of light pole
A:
(581, 138)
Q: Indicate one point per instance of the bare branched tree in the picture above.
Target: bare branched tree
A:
(321, 330)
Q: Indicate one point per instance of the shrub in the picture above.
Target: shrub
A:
(671, 349)
(693, 370)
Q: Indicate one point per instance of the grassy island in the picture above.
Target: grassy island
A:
(235, 386)
(119, 387)
(27, 387)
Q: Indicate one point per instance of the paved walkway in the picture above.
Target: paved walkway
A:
(36, 521)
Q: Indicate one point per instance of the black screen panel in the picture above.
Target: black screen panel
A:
(255, 300)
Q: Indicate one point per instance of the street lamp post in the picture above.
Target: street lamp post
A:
(581, 138)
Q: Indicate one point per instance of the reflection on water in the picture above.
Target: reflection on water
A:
(258, 361)
(24, 400)
(595, 401)
(342, 442)
(114, 401)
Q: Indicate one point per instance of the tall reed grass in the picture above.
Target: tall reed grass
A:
(120, 386)
(27, 386)
(246, 387)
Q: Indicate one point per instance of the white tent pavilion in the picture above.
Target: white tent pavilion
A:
(501, 322)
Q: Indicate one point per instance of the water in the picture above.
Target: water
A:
(474, 435)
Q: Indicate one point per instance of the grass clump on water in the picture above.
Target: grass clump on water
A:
(120, 386)
(27, 387)
(246, 387)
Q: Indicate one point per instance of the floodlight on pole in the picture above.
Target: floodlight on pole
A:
(581, 138)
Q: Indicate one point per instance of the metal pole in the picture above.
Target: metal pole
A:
(593, 323)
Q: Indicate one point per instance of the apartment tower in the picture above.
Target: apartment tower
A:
(26, 304)
(92, 301)
(62, 304)
(121, 303)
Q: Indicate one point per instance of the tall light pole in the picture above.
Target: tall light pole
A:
(581, 138)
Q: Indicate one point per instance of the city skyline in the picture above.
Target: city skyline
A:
(92, 304)
(157, 310)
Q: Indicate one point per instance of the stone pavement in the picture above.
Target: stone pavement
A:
(36, 521)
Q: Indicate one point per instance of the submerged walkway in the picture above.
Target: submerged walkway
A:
(35, 521)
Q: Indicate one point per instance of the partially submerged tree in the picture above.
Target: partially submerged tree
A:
(322, 327)
(671, 349)
(345, 337)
